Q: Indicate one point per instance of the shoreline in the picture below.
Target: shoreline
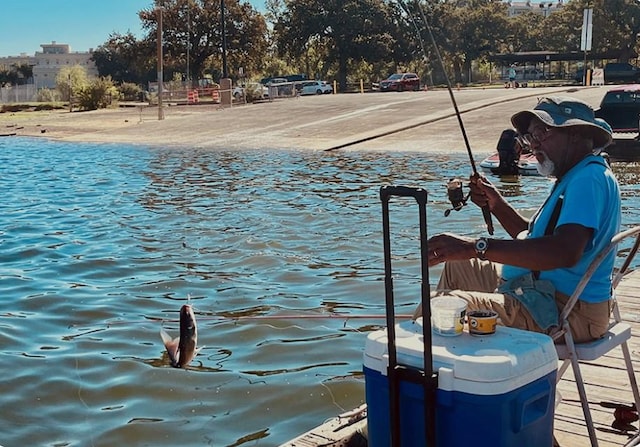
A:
(409, 121)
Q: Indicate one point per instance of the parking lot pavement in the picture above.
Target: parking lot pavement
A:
(407, 121)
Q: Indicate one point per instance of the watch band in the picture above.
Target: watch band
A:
(481, 245)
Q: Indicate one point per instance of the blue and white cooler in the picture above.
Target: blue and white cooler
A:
(495, 390)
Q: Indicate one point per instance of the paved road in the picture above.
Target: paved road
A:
(408, 121)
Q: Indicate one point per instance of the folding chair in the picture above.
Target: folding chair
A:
(617, 335)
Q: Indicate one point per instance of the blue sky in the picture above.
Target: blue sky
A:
(83, 24)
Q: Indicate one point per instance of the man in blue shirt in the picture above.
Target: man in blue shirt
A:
(512, 77)
(528, 278)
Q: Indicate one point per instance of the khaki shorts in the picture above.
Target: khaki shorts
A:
(471, 280)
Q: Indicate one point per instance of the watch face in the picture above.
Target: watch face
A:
(481, 245)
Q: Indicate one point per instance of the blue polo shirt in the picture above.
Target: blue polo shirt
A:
(591, 198)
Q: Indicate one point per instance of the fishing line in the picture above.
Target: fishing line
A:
(230, 318)
(455, 194)
(86, 418)
(333, 398)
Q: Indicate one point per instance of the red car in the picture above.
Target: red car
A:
(400, 82)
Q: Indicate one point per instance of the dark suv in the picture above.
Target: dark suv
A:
(400, 82)
(616, 73)
(621, 72)
(620, 107)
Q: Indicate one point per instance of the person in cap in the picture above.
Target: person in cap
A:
(527, 279)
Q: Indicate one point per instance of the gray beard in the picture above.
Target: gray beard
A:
(547, 167)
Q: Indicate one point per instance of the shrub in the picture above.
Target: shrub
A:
(48, 106)
(130, 91)
(13, 107)
(98, 94)
(47, 95)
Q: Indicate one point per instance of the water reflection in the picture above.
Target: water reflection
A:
(102, 244)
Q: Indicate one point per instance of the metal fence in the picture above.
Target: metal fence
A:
(18, 93)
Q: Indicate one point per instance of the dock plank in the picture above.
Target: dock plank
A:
(605, 380)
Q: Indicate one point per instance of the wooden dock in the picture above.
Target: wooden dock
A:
(605, 380)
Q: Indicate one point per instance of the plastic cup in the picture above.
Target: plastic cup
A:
(447, 315)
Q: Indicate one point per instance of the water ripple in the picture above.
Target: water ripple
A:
(100, 245)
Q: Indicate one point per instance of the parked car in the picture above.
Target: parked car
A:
(315, 88)
(250, 90)
(621, 72)
(280, 87)
(288, 78)
(400, 82)
(276, 81)
(620, 107)
(616, 72)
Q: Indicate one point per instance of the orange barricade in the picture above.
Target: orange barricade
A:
(215, 95)
(192, 96)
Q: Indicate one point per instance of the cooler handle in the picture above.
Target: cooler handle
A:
(531, 406)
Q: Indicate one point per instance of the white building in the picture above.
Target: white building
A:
(544, 7)
(48, 62)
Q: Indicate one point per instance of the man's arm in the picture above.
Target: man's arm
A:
(564, 248)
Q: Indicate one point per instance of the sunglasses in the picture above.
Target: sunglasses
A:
(537, 135)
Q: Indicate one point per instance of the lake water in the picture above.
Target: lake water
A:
(101, 243)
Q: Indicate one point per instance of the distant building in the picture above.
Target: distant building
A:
(48, 62)
(545, 8)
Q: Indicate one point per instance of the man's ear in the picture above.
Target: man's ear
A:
(582, 137)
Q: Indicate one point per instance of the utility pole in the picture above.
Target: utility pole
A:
(224, 41)
(188, 42)
(160, 76)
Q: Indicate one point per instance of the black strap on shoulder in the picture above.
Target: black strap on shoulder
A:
(555, 215)
(551, 225)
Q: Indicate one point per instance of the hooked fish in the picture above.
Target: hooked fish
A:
(183, 349)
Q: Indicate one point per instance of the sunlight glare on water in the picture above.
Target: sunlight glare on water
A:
(101, 243)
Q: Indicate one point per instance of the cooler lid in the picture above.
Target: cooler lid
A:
(510, 356)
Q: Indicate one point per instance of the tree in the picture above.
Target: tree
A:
(192, 27)
(467, 30)
(616, 24)
(125, 59)
(71, 80)
(343, 31)
(16, 75)
(8, 77)
(24, 72)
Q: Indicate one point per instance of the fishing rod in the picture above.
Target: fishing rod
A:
(454, 187)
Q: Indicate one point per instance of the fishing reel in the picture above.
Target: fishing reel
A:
(456, 195)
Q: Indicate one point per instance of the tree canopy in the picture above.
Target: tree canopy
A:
(192, 28)
(348, 39)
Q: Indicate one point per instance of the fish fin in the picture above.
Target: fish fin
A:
(171, 346)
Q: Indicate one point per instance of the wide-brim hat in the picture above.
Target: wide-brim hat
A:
(557, 111)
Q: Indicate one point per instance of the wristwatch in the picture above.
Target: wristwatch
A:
(481, 245)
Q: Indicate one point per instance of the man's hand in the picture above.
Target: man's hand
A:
(483, 193)
(450, 247)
